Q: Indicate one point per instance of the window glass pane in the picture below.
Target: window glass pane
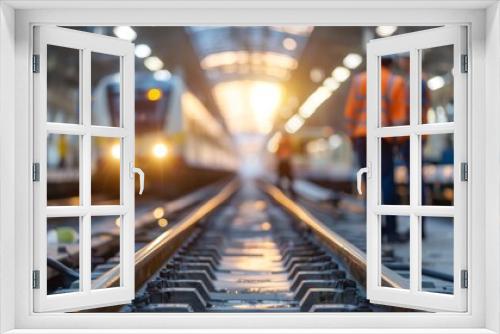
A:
(63, 255)
(394, 90)
(437, 85)
(63, 169)
(437, 169)
(394, 170)
(105, 89)
(395, 248)
(63, 82)
(106, 156)
(105, 246)
(437, 254)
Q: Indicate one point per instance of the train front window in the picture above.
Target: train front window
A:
(151, 105)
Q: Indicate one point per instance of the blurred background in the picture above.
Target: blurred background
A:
(213, 102)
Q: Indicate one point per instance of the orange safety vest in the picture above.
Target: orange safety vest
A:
(394, 103)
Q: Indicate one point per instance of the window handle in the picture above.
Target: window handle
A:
(359, 175)
(135, 170)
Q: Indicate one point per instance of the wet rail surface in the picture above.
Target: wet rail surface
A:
(251, 255)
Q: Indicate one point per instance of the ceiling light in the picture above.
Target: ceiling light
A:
(435, 83)
(316, 75)
(116, 151)
(295, 29)
(294, 123)
(274, 141)
(314, 101)
(341, 73)
(159, 212)
(289, 43)
(335, 141)
(142, 51)
(352, 60)
(331, 84)
(125, 32)
(384, 31)
(153, 63)
(160, 150)
(162, 75)
(162, 222)
(264, 99)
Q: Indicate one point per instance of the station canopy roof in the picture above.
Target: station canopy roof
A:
(247, 67)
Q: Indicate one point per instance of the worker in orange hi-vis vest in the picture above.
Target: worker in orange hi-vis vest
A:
(394, 111)
(285, 170)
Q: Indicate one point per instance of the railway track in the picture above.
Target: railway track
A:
(62, 258)
(249, 248)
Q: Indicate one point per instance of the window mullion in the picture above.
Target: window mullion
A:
(414, 172)
(86, 242)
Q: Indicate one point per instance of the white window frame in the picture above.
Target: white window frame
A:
(413, 43)
(483, 121)
(85, 43)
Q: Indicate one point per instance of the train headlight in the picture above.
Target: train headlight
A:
(115, 151)
(160, 150)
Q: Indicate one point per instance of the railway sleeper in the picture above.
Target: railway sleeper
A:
(340, 308)
(161, 308)
(304, 260)
(191, 266)
(198, 275)
(316, 296)
(304, 286)
(202, 251)
(317, 266)
(194, 259)
(199, 258)
(294, 242)
(189, 258)
(308, 253)
(316, 275)
(189, 296)
(158, 285)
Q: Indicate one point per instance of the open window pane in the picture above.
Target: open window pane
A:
(395, 247)
(63, 84)
(432, 159)
(106, 160)
(437, 169)
(70, 152)
(393, 92)
(63, 169)
(63, 255)
(105, 245)
(437, 102)
(106, 86)
(437, 254)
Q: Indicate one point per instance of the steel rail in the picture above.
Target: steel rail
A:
(149, 258)
(354, 258)
(110, 238)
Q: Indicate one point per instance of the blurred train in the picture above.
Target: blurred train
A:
(179, 144)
